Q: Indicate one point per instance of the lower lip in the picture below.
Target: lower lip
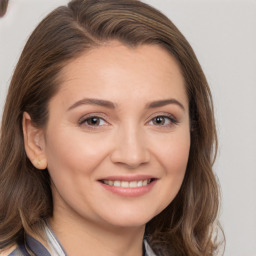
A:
(130, 192)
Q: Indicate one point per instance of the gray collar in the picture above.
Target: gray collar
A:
(148, 250)
(55, 248)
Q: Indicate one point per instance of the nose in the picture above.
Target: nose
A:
(130, 148)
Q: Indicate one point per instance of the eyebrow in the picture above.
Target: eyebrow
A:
(111, 105)
(161, 103)
(98, 102)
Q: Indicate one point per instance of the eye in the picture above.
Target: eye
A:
(163, 121)
(93, 121)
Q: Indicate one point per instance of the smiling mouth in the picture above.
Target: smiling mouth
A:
(127, 184)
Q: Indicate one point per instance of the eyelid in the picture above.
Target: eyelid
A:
(87, 116)
(172, 117)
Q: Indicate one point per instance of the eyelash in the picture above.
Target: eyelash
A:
(170, 118)
(86, 119)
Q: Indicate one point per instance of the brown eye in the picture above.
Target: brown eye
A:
(93, 121)
(163, 121)
(159, 120)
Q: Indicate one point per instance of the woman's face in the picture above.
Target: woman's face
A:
(118, 137)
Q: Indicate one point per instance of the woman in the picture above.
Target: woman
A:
(107, 138)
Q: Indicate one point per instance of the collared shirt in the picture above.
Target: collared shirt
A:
(55, 248)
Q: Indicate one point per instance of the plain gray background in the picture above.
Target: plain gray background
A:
(223, 35)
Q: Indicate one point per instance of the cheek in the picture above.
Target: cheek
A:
(173, 152)
(176, 155)
(175, 165)
(72, 152)
(173, 156)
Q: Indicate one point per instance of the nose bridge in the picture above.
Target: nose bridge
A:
(130, 146)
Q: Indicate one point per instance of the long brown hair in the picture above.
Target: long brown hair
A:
(187, 225)
(3, 7)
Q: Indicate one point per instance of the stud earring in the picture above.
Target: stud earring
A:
(37, 163)
(40, 164)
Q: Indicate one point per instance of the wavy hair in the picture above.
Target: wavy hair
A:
(187, 225)
(3, 7)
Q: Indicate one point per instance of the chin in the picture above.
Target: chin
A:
(130, 219)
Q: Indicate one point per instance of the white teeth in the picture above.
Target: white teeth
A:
(139, 183)
(117, 183)
(124, 184)
(133, 184)
(127, 184)
(144, 183)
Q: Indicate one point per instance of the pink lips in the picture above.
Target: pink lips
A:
(128, 186)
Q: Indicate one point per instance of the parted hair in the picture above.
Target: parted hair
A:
(187, 227)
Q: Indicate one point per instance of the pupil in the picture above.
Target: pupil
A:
(94, 120)
(159, 120)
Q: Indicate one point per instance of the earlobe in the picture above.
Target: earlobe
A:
(34, 143)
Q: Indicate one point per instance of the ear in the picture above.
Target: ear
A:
(34, 143)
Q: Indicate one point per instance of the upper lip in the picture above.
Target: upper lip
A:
(129, 178)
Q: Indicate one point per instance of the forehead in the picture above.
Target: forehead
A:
(115, 70)
(114, 52)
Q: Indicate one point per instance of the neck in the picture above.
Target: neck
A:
(82, 237)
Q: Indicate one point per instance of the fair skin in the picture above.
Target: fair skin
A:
(121, 115)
